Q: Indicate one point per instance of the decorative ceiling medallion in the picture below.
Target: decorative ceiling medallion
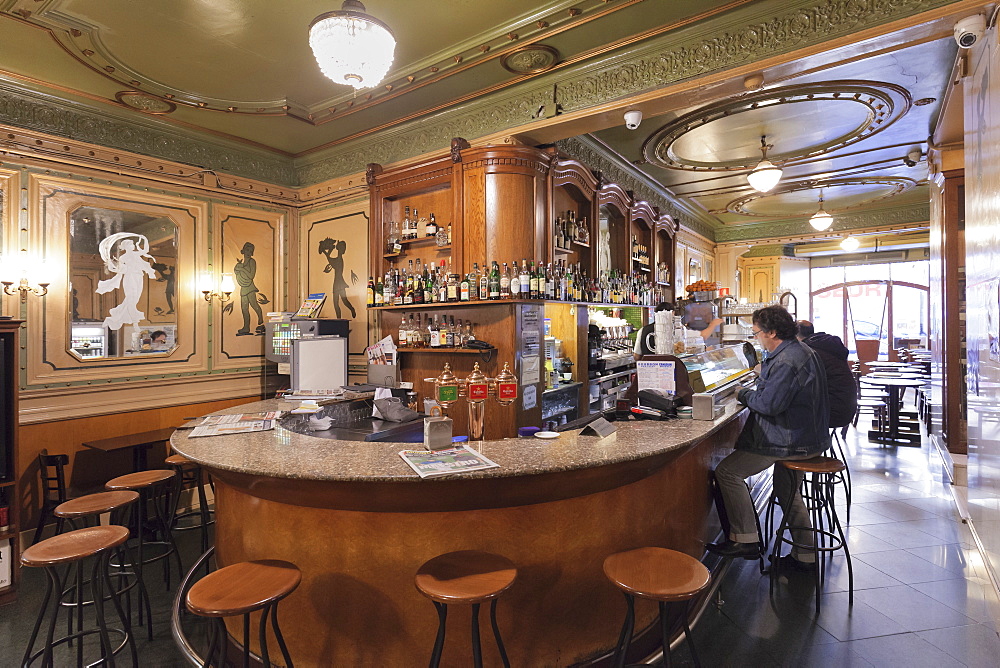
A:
(800, 121)
(530, 59)
(144, 102)
(839, 195)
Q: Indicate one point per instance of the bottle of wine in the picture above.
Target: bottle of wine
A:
(371, 292)
(532, 281)
(525, 278)
(504, 283)
(484, 283)
(495, 281)
(514, 280)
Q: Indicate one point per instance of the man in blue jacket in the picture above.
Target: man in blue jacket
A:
(788, 420)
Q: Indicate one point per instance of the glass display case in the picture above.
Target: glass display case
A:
(712, 369)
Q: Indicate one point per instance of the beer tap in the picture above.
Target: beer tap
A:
(475, 389)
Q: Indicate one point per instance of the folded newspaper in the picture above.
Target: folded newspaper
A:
(453, 460)
(237, 423)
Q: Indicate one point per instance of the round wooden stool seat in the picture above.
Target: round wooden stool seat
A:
(467, 576)
(242, 588)
(815, 465)
(139, 480)
(657, 573)
(180, 460)
(95, 504)
(74, 545)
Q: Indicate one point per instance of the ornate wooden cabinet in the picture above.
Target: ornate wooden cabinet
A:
(9, 356)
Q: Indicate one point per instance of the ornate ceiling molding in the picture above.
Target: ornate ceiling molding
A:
(742, 36)
(896, 185)
(615, 170)
(50, 115)
(771, 250)
(915, 215)
(881, 105)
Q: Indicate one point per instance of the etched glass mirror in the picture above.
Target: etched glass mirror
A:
(122, 270)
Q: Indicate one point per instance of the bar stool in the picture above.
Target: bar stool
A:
(241, 589)
(466, 577)
(188, 472)
(820, 472)
(83, 510)
(72, 548)
(53, 491)
(152, 487)
(661, 575)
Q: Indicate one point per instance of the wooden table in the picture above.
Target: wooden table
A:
(138, 443)
(893, 436)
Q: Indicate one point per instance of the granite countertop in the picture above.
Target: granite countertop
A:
(281, 453)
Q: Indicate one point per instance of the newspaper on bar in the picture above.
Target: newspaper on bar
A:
(237, 423)
(453, 460)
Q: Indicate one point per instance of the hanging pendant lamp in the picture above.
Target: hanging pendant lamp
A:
(352, 47)
(766, 174)
(821, 220)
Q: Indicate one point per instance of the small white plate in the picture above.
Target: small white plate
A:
(546, 434)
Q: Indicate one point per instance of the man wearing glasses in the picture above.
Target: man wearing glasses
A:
(788, 420)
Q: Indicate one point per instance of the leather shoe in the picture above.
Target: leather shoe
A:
(731, 549)
(790, 563)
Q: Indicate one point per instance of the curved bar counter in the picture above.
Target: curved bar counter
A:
(358, 522)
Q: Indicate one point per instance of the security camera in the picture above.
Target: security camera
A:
(633, 118)
(912, 158)
(969, 30)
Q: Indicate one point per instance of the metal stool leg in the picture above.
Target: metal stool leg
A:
(665, 634)
(52, 583)
(690, 638)
(279, 638)
(442, 610)
(496, 634)
(477, 650)
(625, 639)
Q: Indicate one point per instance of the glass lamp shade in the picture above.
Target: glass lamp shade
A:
(227, 284)
(352, 47)
(821, 220)
(764, 176)
(850, 244)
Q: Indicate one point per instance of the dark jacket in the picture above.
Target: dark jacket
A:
(840, 384)
(789, 407)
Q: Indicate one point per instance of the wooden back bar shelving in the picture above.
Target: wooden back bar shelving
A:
(502, 203)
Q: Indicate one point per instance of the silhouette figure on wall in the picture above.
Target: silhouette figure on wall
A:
(129, 262)
(245, 271)
(336, 265)
(166, 272)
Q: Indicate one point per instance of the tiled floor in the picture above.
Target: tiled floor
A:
(922, 597)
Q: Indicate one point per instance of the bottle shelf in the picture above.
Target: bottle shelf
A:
(414, 242)
(498, 302)
(442, 351)
(581, 244)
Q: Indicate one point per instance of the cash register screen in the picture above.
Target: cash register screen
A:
(319, 363)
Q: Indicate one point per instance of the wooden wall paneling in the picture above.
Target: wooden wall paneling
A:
(51, 201)
(569, 323)
(88, 469)
(474, 242)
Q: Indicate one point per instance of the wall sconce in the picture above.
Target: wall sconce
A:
(30, 275)
(224, 291)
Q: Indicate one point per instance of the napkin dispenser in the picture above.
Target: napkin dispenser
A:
(438, 432)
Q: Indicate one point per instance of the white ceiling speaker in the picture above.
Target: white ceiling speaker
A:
(821, 220)
(766, 174)
(632, 119)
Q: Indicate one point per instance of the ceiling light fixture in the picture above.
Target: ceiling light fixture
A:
(766, 174)
(821, 220)
(352, 47)
(850, 244)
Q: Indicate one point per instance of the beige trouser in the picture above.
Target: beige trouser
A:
(731, 473)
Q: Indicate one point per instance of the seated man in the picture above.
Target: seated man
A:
(841, 388)
(788, 420)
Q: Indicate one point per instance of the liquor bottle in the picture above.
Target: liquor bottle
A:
(442, 283)
(453, 287)
(484, 283)
(532, 281)
(379, 292)
(387, 289)
(495, 281)
(450, 341)
(431, 228)
(463, 289)
(474, 282)
(429, 284)
(414, 224)
(574, 230)
(392, 241)
(584, 231)
(435, 334)
(371, 292)
(442, 238)
(406, 223)
(425, 332)
(449, 234)
(408, 285)
(418, 288)
(550, 282)
(505, 283)
(513, 280)
(443, 332)
(525, 279)
(404, 334)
